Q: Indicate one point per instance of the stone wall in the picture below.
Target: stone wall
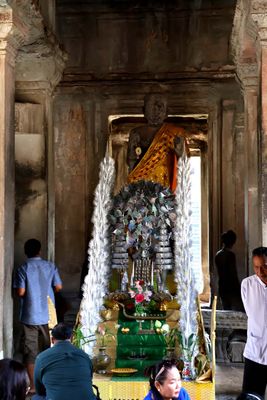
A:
(81, 130)
(117, 53)
(155, 39)
(37, 69)
(30, 174)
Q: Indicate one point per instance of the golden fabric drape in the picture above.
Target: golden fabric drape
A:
(159, 163)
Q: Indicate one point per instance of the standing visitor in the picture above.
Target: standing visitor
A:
(254, 296)
(165, 382)
(34, 281)
(228, 284)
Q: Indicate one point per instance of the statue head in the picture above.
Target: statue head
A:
(155, 108)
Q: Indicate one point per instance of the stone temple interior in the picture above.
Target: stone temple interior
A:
(73, 79)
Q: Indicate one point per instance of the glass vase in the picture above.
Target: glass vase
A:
(101, 361)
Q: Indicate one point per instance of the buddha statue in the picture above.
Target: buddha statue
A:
(153, 149)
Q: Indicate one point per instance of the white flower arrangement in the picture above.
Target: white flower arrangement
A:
(96, 282)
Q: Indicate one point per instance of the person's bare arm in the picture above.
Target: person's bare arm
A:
(244, 295)
(21, 292)
(57, 288)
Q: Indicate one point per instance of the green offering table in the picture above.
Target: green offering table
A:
(135, 349)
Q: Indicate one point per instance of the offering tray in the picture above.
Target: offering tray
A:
(124, 371)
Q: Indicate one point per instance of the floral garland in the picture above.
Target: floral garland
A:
(138, 212)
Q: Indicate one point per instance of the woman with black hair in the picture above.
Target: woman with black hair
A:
(14, 380)
(165, 382)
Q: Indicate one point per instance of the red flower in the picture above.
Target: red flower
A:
(141, 282)
(139, 298)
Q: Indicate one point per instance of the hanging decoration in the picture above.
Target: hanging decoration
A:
(139, 211)
(96, 281)
(184, 275)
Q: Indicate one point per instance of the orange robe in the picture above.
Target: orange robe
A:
(159, 164)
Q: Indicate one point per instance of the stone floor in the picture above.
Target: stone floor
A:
(229, 381)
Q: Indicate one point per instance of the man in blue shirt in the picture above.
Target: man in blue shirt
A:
(35, 280)
(63, 371)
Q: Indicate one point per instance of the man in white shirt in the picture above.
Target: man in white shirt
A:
(254, 296)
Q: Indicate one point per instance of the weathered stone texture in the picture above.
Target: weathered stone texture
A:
(12, 33)
(85, 111)
(264, 143)
(104, 40)
(31, 190)
(70, 183)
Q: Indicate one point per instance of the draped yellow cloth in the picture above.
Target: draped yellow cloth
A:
(52, 313)
(159, 163)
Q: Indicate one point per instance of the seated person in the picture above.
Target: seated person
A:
(14, 380)
(165, 382)
(63, 371)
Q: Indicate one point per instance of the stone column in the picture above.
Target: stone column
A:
(11, 37)
(214, 151)
(259, 15)
(248, 75)
(239, 190)
(39, 67)
(38, 71)
(48, 11)
(227, 160)
(264, 142)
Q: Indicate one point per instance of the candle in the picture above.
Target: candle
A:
(132, 275)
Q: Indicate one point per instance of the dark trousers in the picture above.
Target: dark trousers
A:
(36, 339)
(255, 378)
